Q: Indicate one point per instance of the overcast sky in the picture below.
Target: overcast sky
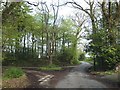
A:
(64, 10)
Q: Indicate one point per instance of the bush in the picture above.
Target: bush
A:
(12, 58)
(50, 67)
(13, 72)
(89, 60)
(75, 62)
(81, 57)
(65, 56)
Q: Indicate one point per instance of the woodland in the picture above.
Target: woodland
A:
(34, 34)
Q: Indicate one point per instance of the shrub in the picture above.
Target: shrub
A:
(65, 56)
(81, 57)
(13, 72)
(75, 62)
(89, 60)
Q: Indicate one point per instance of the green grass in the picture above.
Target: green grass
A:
(50, 68)
(12, 72)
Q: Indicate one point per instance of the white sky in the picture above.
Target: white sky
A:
(64, 10)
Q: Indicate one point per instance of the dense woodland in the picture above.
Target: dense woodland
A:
(33, 34)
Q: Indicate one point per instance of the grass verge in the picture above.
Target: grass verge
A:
(13, 72)
(102, 73)
(14, 77)
(21, 82)
(51, 67)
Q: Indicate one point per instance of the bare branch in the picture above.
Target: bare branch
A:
(76, 5)
(32, 3)
(87, 2)
(55, 12)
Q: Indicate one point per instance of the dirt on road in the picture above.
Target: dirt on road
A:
(35, 75)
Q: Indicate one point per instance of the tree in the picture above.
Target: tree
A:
(110, 20)
(15, 29)
(105, 46)
(78, 23)
(90, 12)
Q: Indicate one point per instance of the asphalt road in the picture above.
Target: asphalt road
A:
(78, 78)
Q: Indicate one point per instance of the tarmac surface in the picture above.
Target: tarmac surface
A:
(78, 78)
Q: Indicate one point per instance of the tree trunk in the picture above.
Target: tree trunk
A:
(63, 42)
